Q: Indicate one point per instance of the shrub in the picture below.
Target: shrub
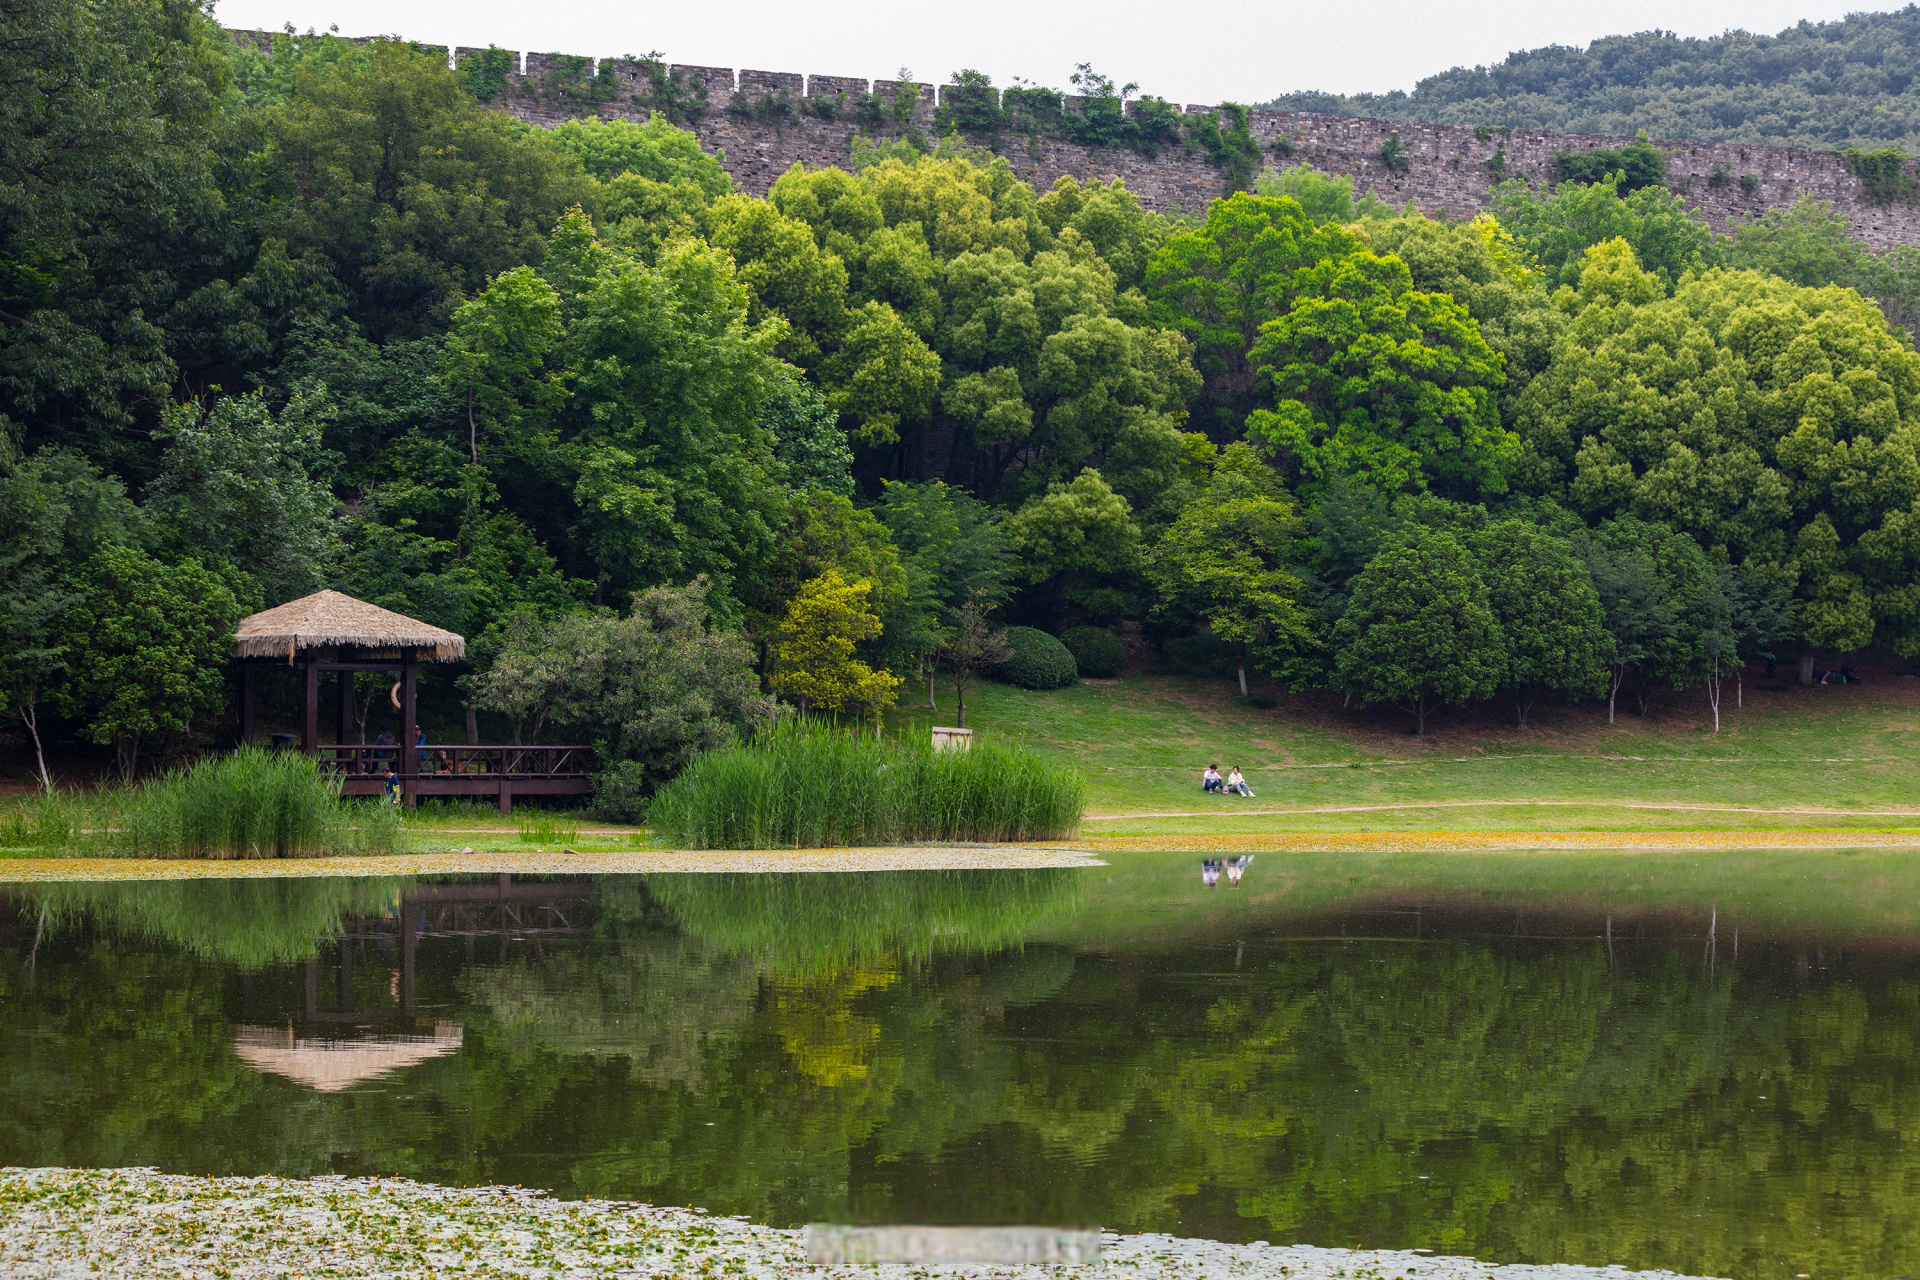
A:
(1039, 661)
(805, 785)
(252, 804)
(1096, 651)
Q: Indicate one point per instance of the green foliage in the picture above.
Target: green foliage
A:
(1324, 197)
(1420, 630)
(1543, 598)
(1558, 229)
(252, 804)
(655, 150)
(814, 646)
(1657, 596)
(1781, 433)
(647, 691)
(1815, 84)
(1629, 168)
(1228, 142)
(1883, 174)
(1372, 378)
(156, 639)
(243, 487)
(487, 72)
(249, 923)
(1096, 651)
(1079, 540)
(1036, 660)
(806, 785)
(1231, 561)
(1809, 244)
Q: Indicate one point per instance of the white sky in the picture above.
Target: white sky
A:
(1234, 50)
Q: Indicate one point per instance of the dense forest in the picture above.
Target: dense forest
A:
(1816, 84)
(675, 458)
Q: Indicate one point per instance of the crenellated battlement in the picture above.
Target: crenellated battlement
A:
(766, 121)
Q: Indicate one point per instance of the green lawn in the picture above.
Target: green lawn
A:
(1143, 739)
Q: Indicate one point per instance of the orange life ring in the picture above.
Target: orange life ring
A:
(394, 695)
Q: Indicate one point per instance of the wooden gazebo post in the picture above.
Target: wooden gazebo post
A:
(409, 753)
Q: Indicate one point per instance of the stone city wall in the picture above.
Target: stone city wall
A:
(766, 121)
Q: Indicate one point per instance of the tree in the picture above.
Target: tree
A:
(655, 150)
(1419, 630)
(242, 486)
(1653, 585)
(975, 645)
(951, 547)
(650, 689)
(1231, 561)
(1810, 244)
(1558, 229)
(1544, 600)
(1373, 378)
(1322, 196)
(1778, 425)
(148, 643)
(814, 662)
(1080, 540)
(56, 513)
(496, 352)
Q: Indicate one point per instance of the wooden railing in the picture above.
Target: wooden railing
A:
(447, 760)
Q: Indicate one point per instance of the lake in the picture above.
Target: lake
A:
(1707, 1063)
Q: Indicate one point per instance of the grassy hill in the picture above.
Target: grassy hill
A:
(1855, 82)
(1792, 757)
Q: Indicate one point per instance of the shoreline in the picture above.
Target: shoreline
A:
(56, 1223)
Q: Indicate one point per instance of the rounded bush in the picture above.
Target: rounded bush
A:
(1038, 661)
(1096, 650)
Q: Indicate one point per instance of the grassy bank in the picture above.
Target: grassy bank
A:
(1840, 755)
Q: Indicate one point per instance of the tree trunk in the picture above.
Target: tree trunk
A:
(932, 671)
(1713, 693)
(960, 696)
(1521, 705)
(1241, 655)
(1420, 715)
(473, 725)
(1806, 667)
(1739, 686)
(30, 715)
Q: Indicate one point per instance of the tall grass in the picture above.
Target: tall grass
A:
(253, 804)
(807, 785)
(547, 829)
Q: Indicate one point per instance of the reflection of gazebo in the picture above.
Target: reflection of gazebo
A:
(331, 1066)
(328, 632)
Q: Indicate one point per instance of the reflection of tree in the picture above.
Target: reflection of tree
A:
(248, 922)
(1559, 1110)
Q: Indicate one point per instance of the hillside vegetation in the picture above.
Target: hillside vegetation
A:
(1816, 84)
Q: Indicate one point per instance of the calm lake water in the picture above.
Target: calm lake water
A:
(1709, 1067)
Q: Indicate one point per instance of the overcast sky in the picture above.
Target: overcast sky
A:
(1232, 50)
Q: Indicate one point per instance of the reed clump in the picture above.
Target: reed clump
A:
(807, 785)
(252, 804)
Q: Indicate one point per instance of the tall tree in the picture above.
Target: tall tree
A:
(1544, 599)
(1231, 561)
(1419, 630)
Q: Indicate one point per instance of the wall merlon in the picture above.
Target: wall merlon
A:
(759, 82)
(827, 86)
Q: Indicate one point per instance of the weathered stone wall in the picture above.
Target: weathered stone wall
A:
(778, 118)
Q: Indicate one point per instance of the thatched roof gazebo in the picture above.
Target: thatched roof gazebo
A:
(332, 620)
(336, 634)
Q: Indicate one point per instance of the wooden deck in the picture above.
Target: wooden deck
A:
(446, 769)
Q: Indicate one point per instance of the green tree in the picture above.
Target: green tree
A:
(655, 150)
(1324, 197)
(649, 690)
(1080, 541)
(1372, 378)
(1778, 425)
(148, 643)
(1219, 282)
(1231, 561)
(56, 513)
(243, 486)
(1559, 229)
(1543, 598)
(497, 351)
(1655, 590)
(1420, 630)
(814, 662)
(951, 546)
(1810, 244)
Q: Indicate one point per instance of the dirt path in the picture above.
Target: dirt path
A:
(1506, 804)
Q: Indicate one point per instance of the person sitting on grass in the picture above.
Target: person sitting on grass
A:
(1210, 780)
(1237, 785)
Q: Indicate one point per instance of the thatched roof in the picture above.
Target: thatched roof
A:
(328, 619)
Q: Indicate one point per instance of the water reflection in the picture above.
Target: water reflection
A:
(1535, 1079)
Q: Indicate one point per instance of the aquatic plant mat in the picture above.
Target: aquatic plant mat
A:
(638, 862)
(139, 1222)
